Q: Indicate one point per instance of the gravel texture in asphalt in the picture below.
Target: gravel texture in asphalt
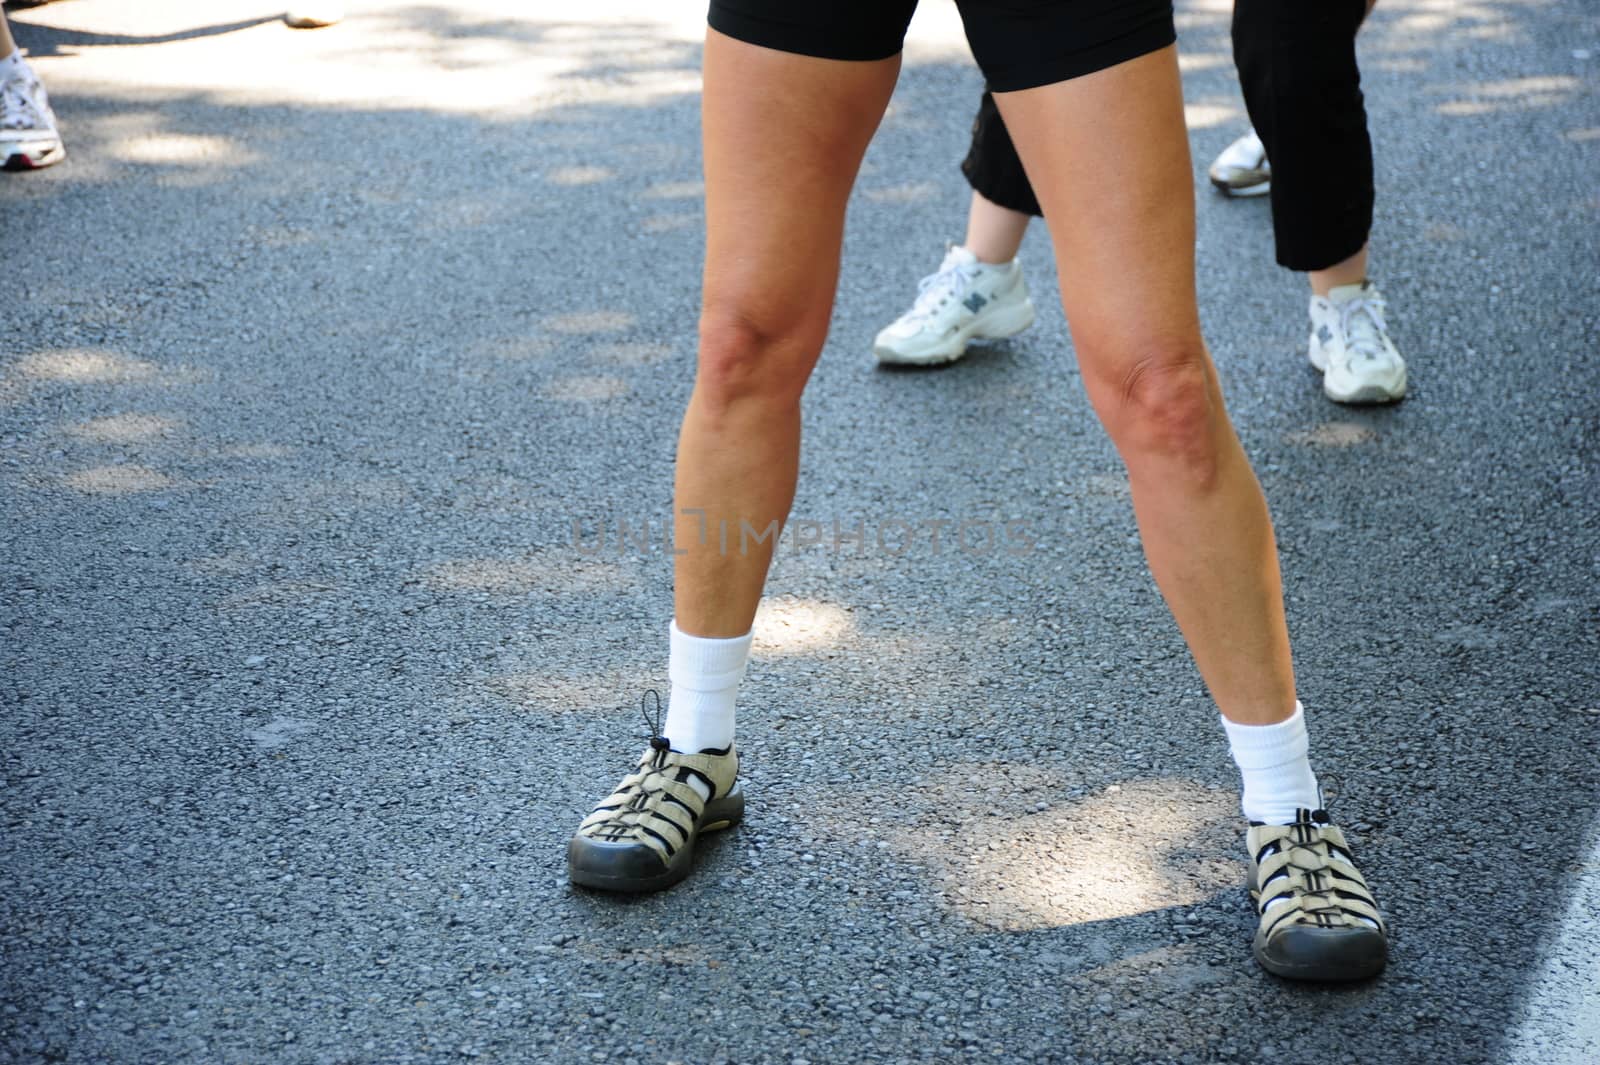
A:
(330, 363)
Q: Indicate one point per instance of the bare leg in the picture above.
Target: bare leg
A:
(994, 233)
(1352, 271)
(7, 45)
(1124, 244)
(779, 160)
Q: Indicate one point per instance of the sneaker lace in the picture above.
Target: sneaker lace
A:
(660, 747)
(625, 819)
(937, 289)
(1361, 322)
(1311, 856)
(17, 107)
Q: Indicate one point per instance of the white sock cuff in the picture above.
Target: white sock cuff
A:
(1266, 746)
(707, 663)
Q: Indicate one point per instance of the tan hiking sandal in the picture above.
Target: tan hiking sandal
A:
(642, 836)
(1319, 920)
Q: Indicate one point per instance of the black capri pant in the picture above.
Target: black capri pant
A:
(1302, 88)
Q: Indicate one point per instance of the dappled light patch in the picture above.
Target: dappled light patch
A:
(84, 366)
(1332, 434)
(1431, 18)
(788, 625)
(515, 349)
(670, 223)
(590, 322)
(1206, 116)
(651, 85)
(1194, 62)
(485, 59)
(1396, 64)
(124, 428)
(1513, 94)
(471, 213)
(1444, 232)
(587, 389)
(910, 192)
(119, 480)
(286, 236)
(256, 451)
(630, 354)
(580, 175)
(180, 149)
(675, 190)
(1134, 848)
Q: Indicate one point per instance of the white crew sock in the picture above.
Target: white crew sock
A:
(1277, 774)
(973, 262)
(10, 64)
(705, 675)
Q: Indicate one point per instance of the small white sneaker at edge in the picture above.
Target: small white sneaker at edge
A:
(28, 137)
(1242, 168)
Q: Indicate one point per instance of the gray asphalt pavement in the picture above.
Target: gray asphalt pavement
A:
(318, 345)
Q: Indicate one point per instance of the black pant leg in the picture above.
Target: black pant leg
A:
(993, 167)
(1297, 65)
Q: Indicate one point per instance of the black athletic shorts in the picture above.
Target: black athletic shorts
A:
(1019, 44)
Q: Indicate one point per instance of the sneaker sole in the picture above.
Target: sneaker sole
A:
(1242, 192)
(595, 867)
(36, 159)
(1324, 955)
(998, 326)
(1365, 396)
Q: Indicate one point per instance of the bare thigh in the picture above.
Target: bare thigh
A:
(784, 137)
(1108, 156)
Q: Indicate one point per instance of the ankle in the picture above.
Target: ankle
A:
(705, 673)
(1274, 768)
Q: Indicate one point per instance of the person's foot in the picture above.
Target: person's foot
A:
(642, 836)
(314, 14)
(28, 137)
(1319, 920)
(1350, 346)
(966, 300)
(1242, 168)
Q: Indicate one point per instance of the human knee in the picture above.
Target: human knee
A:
(748, 356)
(1164, 408)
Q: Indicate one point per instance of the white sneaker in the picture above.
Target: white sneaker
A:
(28, 137)
(1350, 344)
(314, 14)
(1242, 168)
(966, 300)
